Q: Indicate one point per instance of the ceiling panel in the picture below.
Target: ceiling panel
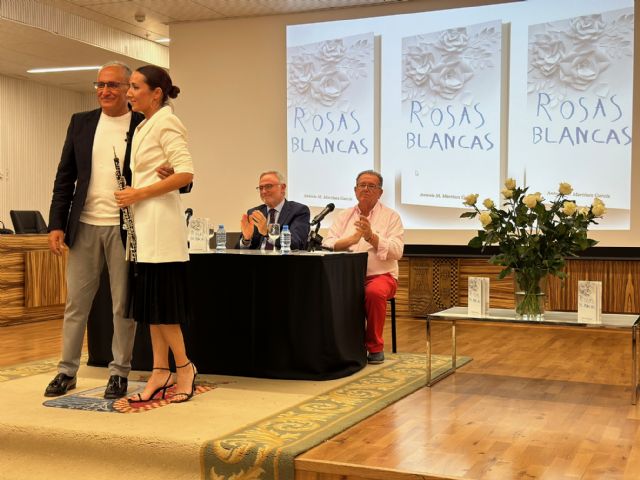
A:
(23, 47)
(183, 10)
(154, 21)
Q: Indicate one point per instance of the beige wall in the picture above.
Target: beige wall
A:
(233, 77)
(33, 125)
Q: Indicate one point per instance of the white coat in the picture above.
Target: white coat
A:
(159, 222)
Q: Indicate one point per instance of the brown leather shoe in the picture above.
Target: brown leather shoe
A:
(60, 385)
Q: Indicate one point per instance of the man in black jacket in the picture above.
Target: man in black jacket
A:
(85, 216)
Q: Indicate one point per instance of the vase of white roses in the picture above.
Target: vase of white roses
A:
(534, 236)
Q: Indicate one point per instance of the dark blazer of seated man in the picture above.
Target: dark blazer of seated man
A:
(277, 209)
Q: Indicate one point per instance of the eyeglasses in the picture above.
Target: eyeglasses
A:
(367, 186)
(109, 85)
(267, 187)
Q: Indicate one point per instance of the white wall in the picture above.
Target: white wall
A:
(33, 125)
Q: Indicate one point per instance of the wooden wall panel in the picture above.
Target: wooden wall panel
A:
(48, 302)
(501, 291)
(433, 284)
(426, 279)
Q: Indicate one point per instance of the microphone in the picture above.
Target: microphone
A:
(325, 211)
(188, 214)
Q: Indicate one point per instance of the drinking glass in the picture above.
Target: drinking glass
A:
(273, 230)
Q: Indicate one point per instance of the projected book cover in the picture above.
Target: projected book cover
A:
(330, 118)
(579, 108)
(451, 114)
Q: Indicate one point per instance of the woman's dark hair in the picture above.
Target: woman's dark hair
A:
(158, 78)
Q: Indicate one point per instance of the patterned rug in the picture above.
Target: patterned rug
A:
(235, 427)
(266, 449)
(93, 400)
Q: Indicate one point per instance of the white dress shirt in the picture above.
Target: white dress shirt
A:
(386, 224)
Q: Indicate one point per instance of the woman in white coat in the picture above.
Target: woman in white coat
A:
(159, 296)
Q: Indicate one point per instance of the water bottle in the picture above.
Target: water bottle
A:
(285, 240)
(221, 239)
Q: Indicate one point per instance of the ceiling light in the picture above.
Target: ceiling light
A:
(63, 69)
(163, 40)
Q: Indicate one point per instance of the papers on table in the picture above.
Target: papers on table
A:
(478, 296)
(198, 234)
(589, 302)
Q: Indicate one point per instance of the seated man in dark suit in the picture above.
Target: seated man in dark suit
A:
(276, 209)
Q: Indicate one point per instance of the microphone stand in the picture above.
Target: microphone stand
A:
(314, 241)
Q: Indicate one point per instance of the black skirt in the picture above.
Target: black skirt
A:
(159, 293)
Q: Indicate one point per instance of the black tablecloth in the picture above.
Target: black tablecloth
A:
(298, 316)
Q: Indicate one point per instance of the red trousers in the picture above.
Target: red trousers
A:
(377, 290)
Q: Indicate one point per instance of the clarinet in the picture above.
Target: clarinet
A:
(127, 213)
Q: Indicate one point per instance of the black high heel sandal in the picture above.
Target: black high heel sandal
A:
(183, 396)
(162, 389)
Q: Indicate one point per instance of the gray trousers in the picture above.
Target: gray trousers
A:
(93, 246)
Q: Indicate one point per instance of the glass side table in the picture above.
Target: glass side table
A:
(497, 315)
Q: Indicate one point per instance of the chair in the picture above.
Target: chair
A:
(392, 301)
(4, 230)
(28, 221)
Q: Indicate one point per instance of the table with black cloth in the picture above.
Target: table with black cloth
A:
(261, 314)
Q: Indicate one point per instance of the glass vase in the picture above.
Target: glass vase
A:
(530, 289)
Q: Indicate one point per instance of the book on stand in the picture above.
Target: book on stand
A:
(589, 302)
(198, 234)
(478, 297)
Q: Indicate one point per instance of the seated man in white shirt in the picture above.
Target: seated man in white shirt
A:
(376, 229)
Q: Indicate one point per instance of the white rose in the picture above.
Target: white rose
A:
(485, 219)
(530, 200)
(447, 79)
(581, 68)
(546, 52)
(488, 203)
(506, 193)
(569, 208)
(587, 27)
(565, 189)
(471, 199)
(584, 211)
(418, 62)
(510, 183)
(454, 40)
(327, 87)
(301, 71)
(332, 51)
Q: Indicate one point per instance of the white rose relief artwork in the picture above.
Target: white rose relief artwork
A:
(330, 118)
(579, 99)
(451, 100)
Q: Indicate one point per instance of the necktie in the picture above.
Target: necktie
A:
(272, 219)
